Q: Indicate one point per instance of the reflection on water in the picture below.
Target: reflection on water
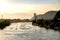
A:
(25, 31)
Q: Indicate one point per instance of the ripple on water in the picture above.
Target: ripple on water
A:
(33, 33)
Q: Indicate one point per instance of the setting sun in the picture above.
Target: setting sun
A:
(27, 7)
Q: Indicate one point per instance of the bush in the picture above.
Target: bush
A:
(4, 23)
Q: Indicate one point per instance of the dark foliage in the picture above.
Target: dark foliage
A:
(52, 24)
(4, 23)
(57, 16)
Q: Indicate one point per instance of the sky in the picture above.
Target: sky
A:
(27, 7)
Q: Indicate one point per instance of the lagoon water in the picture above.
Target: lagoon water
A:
(26, 31)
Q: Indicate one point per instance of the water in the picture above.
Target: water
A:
(26, 31)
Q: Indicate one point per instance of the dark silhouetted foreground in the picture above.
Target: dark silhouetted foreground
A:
(53, 23)
(4, 23)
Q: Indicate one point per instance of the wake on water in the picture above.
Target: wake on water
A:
(25, 31)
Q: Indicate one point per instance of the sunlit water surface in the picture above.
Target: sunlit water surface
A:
(26, 31)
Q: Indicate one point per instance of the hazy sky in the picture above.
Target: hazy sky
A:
(28, 6)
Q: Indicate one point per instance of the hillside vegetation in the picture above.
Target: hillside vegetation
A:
(4, 23)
